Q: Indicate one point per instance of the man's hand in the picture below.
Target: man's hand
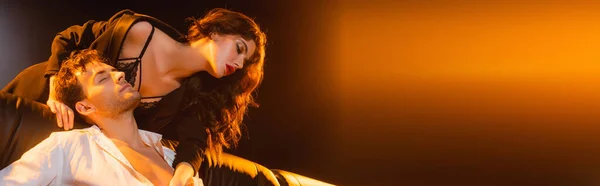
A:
(183, 175)
(64, 114)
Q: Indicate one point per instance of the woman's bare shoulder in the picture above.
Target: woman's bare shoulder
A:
(140, 32)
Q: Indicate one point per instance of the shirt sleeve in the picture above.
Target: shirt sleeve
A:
(41, 165)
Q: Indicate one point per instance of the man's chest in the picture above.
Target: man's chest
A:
(100, 169)
(148, 162)
(90, 165)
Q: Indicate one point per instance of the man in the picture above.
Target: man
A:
(111, 152)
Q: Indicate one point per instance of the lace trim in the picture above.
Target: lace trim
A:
(130, 69)
(149, 104)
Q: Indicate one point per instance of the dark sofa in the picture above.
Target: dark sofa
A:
(25, 123)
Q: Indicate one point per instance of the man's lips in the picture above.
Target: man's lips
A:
(123, 87)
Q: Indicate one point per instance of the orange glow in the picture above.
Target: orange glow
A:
(502, 55)
(469, 84)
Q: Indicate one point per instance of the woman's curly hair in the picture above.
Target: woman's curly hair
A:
(221, 104)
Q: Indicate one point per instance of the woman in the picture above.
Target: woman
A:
(195, 89)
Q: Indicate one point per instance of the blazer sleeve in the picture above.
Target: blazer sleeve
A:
(79, 37)
(76, 37)
(192, 142)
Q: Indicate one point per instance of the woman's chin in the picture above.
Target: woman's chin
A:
(216, 75)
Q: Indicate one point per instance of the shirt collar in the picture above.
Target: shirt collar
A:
(149, 138)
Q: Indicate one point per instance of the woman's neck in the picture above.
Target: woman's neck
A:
(186, 59)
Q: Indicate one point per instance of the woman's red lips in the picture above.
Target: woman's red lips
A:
(229, 69)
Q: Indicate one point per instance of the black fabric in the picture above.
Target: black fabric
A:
(107, 37)
(189, 151)
(230, 170)
(131, 68)
(286, 178)
(168, 119)
(24, 123)
(30, 83)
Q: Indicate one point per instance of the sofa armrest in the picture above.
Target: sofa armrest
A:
(23, 124)
(286, 178)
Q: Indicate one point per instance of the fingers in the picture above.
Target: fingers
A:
(54, 109)
(175, 182)
(59, 116)
(64, 114)
(183, 173)
(51, 105)
(65, 117)
(71, 117)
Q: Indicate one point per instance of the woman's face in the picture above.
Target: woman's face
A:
(227, 53)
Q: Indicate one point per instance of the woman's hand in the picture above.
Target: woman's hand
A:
(64, 114)
(183, 175)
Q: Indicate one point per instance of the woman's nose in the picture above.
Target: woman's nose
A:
(240, 63)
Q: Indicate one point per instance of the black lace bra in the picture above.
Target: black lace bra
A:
(131, 67)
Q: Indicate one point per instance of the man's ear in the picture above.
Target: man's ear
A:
(84, 108)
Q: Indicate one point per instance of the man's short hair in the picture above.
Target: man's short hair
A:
(67, 88)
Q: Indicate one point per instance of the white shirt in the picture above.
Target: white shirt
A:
(81, 157)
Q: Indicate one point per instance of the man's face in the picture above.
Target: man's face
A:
(105, 89)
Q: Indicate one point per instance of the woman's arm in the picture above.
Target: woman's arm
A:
(76, 37)
(190, 150)
(192, 142)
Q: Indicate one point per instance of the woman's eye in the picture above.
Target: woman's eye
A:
(239, 48)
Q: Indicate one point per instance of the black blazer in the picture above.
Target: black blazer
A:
(107, 37)
(25, 123)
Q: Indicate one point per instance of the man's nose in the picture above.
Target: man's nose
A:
(119, 76)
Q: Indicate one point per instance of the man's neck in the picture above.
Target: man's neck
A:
(123, 129)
